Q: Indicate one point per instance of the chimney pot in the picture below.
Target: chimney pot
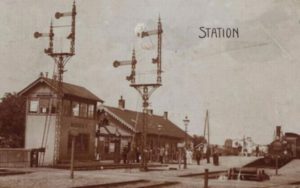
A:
(165, 115)
(122, 103)
(278, 131)
(150, 111)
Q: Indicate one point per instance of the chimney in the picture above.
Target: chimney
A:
(150, 111)
(54, 77)
(41, 74)
(46, 74)
(165, 115)
(122, 103)
(278, 131)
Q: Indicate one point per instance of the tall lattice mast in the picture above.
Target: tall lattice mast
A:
(60, 59)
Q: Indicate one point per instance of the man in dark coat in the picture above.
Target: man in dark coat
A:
(208, 153)
(198, 156)
(124, 155)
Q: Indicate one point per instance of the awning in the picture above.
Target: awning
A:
(111, 130)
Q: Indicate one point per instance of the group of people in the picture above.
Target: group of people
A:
(163, 155)
(131, 155)
(201, 153)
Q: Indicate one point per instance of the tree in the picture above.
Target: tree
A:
(198, 140)
(12, 120)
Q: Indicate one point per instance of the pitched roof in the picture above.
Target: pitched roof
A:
(135, 120)
(68, 89)
(113, 130)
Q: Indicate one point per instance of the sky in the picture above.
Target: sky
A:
(248, 84)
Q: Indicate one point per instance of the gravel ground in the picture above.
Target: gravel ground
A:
(47, 177)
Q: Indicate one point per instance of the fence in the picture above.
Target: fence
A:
(14, 157)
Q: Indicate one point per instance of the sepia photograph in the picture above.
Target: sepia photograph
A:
(150, 93)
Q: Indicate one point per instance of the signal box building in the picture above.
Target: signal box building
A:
(78, 113)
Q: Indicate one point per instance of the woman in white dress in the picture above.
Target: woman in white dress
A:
(189, 156)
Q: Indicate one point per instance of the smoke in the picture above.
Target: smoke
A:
(147, 46)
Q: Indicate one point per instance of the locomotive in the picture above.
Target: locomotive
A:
(285, 148)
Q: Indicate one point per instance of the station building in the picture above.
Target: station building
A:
(161, 131)
(78, 113)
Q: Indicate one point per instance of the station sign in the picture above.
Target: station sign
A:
(181, 145)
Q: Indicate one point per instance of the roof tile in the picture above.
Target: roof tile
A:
(168, 127)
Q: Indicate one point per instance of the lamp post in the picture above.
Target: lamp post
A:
(186, 122)
(158, 145)
(159, 129)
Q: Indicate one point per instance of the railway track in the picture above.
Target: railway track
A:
(211, 175)
(85, 167)
(261, 163)
(131, 184)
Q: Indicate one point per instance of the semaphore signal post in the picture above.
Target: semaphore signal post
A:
(145, 89)
(60, 59)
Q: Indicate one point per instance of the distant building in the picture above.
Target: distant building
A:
(228, 143)
(78, 113)
(246, 145)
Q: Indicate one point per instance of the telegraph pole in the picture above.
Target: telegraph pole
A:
(60, 59)
(206, 133)
(186, 122)
(145, 89)
(206, 127)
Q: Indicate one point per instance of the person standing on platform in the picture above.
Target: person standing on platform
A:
(257, 151)
(208, 153)
(216, 156)
(166, 155)
(137, 155)
(198, 155)
(131, 156)
(161, 155)
(124, 155)
(179, 157)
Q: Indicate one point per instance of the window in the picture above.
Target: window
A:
(44, 105)
(67, 107)
(33, 106)
(81, 142)
(54, 106)
(112, 147)
(106, 145)
(91, 111)
(83, 110)
(75, 108)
